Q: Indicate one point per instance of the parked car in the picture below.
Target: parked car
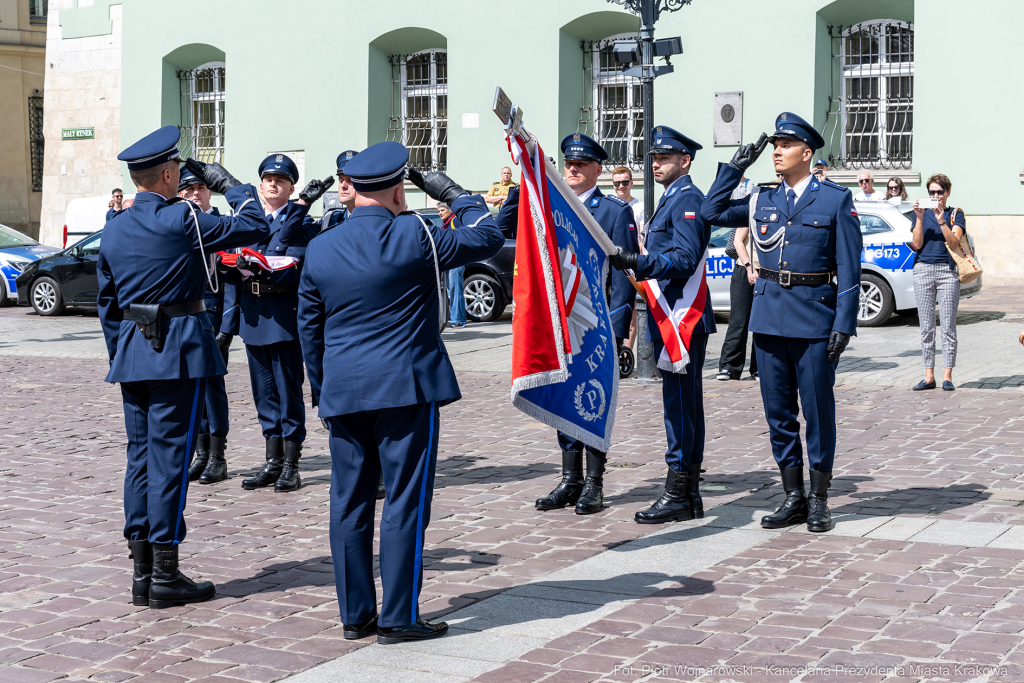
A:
(487, 285)
(887, 264)
(17, 251)
(84, 216)
(66, 278)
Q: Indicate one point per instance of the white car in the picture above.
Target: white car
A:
(887, 264)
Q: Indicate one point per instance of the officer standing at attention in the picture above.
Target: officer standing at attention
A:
(369, 319)
(674, 246)
(346, 195)
(266, 321)
(152, 275)
(808, 239)
(208, 465)
(583, 165)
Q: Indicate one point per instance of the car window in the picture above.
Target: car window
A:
(719, 237)
(12, 238)
(871, 225)
(432, 217)
(90, 246)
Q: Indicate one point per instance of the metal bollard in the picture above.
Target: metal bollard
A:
(646, 363)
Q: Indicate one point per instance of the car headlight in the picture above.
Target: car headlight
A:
(17, 265)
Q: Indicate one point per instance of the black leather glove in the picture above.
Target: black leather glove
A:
(214, 175)
(623, 260)
(224, 342)
(837, 342)
(315, 189)
(437, 186)
(746, 155)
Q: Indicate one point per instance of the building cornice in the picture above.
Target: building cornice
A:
(22, 50)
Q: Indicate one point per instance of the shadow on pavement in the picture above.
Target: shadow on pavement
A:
(911, 500)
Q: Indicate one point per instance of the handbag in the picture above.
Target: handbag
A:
(967, 264)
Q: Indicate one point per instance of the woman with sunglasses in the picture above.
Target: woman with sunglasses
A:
(895, 190)
(936, 278)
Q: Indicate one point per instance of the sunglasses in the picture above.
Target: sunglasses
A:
(866, 180)
(622, 183)
(936, 193)
(894, 188)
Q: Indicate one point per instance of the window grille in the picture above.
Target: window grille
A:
(419, 115)
(202, 112)
(871, 122)
(612, 111)
(35, 134)
(38, 9)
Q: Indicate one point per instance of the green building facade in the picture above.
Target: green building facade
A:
(897, 87)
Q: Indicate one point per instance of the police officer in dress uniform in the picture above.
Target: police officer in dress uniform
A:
(805, 305)
(266, 320)
(152, 276)
(583, 165)
(369, 320)
(346, 195)
(675, 243)
(208, 465)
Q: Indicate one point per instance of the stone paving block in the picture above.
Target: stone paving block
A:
(900, 528)
(1012, 538)
(482, 645)
(397, 657)
(343, 671)
(970, 534)
(530, 617)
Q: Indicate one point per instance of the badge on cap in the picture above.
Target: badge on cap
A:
(348, 155)
(783, 117)
(772, 217)
(658, 130)
(576, 137)
(279, 158)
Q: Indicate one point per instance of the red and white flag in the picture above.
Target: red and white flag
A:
(271, 263)
(677, 322)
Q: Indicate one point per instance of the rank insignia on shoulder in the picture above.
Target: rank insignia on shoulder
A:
(595, 201)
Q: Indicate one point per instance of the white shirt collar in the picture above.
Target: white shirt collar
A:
(210, 210)
(585, 197)
(272, 216)
(799, 189)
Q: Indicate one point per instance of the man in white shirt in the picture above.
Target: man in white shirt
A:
(867, 189)
(622, 181)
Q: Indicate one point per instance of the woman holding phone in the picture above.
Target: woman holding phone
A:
(936, 277)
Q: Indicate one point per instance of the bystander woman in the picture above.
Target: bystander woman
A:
(895, 191)
(456, 297)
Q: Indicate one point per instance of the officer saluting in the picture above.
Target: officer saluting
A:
(805, 305)
(369, 318)
(152, 274)
(346, 195)
(674, 248)
(209, 465)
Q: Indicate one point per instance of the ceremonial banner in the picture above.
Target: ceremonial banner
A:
(565, 369)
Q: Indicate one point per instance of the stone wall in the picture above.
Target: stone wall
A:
(998, 247)
(83, 90)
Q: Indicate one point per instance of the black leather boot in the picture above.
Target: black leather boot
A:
(272, 470)
(794, 508)
(818, 516)
(200, 458)
(380, 488)
(592, 498)
(217, 468)
(568, 490)
(674, 504)
(289, 479)
(142, 554)
(169, 586)
(693, 492)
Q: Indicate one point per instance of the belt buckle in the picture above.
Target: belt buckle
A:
(256, 287)
(784, 278)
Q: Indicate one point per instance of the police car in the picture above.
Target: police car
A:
(887, 264)
(17, 251)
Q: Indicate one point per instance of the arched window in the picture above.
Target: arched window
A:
(419, 118)
(202, 111)
(615, 114)
(877, 96)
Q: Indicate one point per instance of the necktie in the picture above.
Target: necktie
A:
(791, 196)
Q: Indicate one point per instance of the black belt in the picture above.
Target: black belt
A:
(149, 317)
(261, 288)
(788, 279)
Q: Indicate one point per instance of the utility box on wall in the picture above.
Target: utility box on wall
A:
(728, 118)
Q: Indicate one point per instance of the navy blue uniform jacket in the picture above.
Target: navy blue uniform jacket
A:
(822, 236)
(369, 311)
(150, 255)
(676, 239)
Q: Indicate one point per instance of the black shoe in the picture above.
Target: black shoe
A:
(569, 489)
(380, 489)
(693, 493)
(217, 468)
(169, 586)
(289, 479)
(947, 385)
(794, 508)
(591, 498)
(357, 631)
(674, 504)
(724, 376)
(272, 470)
(202, 456)
(421, 629)
(818, 516)
(142, 554)
(923, 385)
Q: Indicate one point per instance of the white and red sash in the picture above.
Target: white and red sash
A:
(677, 322)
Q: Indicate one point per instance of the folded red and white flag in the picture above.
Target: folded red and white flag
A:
(676, 322)
(271, 263)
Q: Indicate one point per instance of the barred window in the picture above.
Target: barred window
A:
(202, 112)
(875, 109)
(37, 10)
(419, 113)
(614, 113)
(35, 134)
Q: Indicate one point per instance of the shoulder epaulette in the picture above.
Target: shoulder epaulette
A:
(175, 200)
(769, 186)
(618, 200)
(831, 184)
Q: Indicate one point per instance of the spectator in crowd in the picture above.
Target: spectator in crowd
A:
(895, 190)
(116, 198)
(499, 191)
(127, 203)
(622, 182)
(456, 298)
(745, 187)
(867, 189)
(821, 169)
(936, 278)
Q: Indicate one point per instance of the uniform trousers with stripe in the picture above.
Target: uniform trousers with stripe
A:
(683, 399)
(937, 282)
(161, 418)
(215, 409)
(790, 368)
(276, 373)
(401, 443)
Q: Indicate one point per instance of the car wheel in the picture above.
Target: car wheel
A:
(876, 301)
(484, 302)
(46, 297)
